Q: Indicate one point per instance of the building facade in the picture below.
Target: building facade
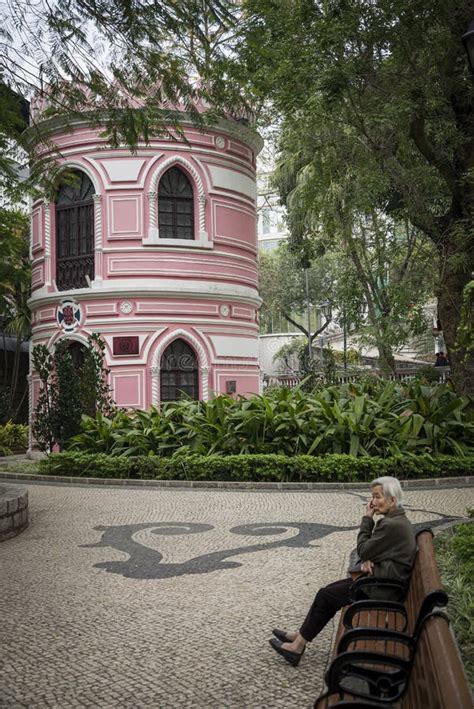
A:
(157, 252)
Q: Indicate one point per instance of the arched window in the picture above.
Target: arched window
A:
(179, 372)
(175, 206)
(75, 233)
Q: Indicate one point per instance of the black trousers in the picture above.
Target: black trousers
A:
(327, 602)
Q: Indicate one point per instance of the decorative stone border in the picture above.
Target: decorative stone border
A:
(13, 511)
(424, 483)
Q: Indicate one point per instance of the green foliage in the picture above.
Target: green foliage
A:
(43, 419)
(465, 335)
(427, 374)
(85, 465)
(371, 418)
(282, 286)
(66, 393)
(254, 468)
(455, 555)
(375, 101)
(15, 281)
(124, 66)
(13, 438)
(313, 372)
(94, 387)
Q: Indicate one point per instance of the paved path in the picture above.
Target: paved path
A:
(121, 597)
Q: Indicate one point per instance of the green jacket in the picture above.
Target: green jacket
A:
(390, 544)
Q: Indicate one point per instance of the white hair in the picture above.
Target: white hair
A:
(390, 487)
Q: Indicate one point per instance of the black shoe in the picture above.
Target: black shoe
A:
(281, 635)
(292, 657)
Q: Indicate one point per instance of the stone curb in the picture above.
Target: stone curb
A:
(13, 511)
(461, 481)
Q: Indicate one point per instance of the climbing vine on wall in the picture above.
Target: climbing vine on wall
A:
(68, 391)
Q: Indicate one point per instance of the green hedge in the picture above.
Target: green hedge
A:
(257, 468)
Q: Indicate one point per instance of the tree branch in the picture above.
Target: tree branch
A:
(442, 164)
(293, 322)
(321, 329)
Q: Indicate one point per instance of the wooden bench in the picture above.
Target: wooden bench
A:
(377, 629)
(436, 678)
(388, 618)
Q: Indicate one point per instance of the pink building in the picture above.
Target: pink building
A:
(156, 251)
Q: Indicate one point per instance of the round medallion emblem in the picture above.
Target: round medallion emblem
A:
(126, 307)
(68, 315)
(224, 310)
(220, 142)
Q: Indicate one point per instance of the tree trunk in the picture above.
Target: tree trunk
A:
(386, 359)
(15, 372)
(450, 299)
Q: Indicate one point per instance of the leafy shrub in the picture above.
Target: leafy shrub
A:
(455, 555)
(258, 468)
(67, 392)
(85, 465)
(429, 373)
(370, 418)
(13, 438)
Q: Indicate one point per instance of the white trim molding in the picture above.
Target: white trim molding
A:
(97, 239)
(47, 241)
(154, 288)
(153, 238)
(78, 165)
(155, 366)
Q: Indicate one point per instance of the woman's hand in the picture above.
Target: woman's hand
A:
(367, 567)
(370, 511)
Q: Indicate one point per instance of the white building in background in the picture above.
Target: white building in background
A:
(271, 226)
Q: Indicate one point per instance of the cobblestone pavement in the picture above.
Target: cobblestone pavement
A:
(124, 597)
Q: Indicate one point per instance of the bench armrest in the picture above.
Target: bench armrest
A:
(385, 676)
(358, 606)
(364, 582)
(376, 634)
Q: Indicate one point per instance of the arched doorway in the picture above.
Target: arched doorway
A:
(77, 350)
(83, 366)
(179, 374)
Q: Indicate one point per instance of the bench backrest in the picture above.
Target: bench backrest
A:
(437, 679)
(425, 591)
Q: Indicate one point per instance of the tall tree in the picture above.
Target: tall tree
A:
(376, 279)
(288, 289)
(377, 107)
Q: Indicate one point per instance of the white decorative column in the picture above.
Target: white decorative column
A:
(205, 383)
(98, 246)
(153, 233)
(202, 217)
(30, 410)
(155, 385)
(46, 206)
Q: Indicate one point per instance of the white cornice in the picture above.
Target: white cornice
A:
(147, 287)
(247, 135)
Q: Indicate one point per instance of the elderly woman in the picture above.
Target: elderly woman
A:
(387, 549)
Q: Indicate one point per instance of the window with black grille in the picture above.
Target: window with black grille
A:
(175, 206)
(75, 232)
(179, 372)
